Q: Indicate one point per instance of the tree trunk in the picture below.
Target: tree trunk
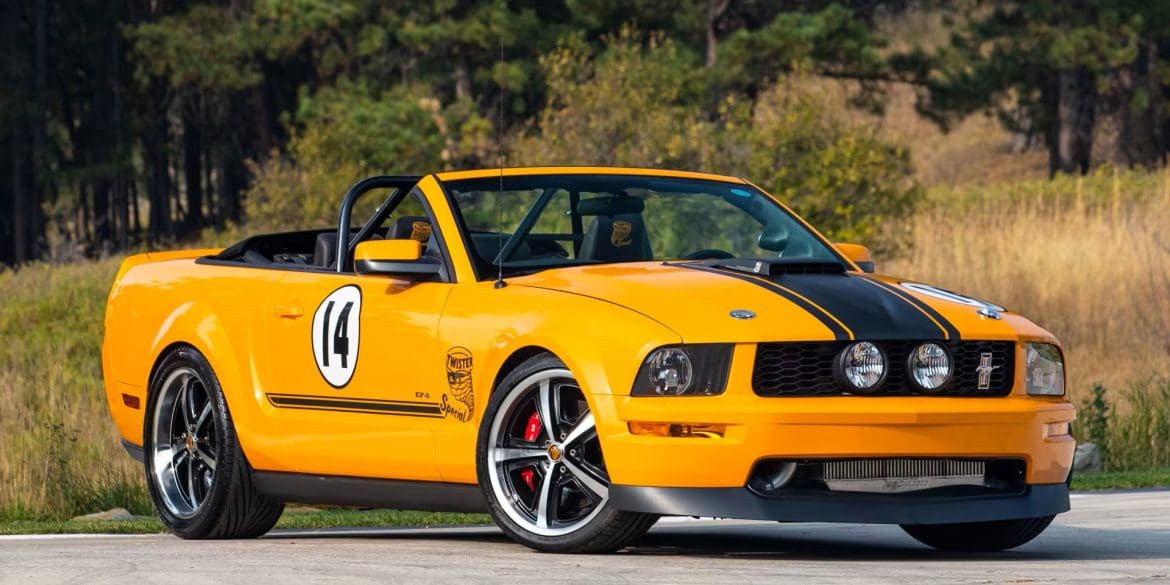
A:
(232, 177)
(158, 189)
(1140, 141)
(192, 171)
(1075, 120)
(462, 78)
(715, 9)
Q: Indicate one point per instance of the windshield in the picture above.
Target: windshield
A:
(545, 221)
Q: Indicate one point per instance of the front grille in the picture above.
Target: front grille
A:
(806, 369)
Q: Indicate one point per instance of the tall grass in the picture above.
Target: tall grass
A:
(59, 453)
(1086, 258)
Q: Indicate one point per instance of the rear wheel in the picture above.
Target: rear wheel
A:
(979, 536)
(541, 468)
(199, 481)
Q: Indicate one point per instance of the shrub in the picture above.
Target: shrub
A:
(636, 104)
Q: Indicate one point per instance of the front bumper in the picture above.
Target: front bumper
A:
(738, 502)
(1016, 426)
(1010, 427)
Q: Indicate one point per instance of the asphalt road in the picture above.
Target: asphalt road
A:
(1120, 536)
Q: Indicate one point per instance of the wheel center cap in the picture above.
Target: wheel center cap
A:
(554, 452)
(190, 442)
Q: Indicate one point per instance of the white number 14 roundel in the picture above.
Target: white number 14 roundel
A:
(335, 335)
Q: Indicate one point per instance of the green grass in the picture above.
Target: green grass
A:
(292, 518)
(1159, 477)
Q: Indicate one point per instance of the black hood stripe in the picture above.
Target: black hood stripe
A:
(839, 330)
(852, 307)
(949, 330)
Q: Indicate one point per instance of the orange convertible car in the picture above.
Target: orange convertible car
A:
(579, 351)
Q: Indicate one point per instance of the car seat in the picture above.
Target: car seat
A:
(616, 238)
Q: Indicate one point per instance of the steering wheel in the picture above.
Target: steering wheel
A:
(709, 254)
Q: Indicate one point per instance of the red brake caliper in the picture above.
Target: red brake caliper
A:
(531, 432)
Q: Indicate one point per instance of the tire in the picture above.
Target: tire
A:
(979, 536)
(205, 489)
(540, 466)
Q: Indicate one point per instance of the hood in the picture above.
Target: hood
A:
(696, 301)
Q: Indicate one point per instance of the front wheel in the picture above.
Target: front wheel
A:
(198, 478)
(541, 469)
(979, 536)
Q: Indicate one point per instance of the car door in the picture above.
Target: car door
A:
(352, 374)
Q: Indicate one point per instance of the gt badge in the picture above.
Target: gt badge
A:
(984, 370)
(460, 402)
(620, 236)
(336, 330)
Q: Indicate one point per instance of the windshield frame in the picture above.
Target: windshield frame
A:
(492, 270)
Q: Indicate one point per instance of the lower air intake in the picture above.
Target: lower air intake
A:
(894, 475)
(900, 475)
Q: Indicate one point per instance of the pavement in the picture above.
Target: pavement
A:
(1108, 537)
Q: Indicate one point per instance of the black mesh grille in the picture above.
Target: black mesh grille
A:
(806, 369)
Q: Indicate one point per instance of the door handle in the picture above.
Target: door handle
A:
(288, 312)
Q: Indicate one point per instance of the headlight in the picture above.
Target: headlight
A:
(684, 370)
(1044, 372)
(929, 366)
(862, 366)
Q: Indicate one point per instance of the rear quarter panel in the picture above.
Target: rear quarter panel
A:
(155, 305)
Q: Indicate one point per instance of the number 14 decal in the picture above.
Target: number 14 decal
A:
(336, 334)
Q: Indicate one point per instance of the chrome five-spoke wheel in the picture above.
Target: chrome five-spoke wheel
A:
(197, 475)
(185, 445)
(546, 465)
(541, 467)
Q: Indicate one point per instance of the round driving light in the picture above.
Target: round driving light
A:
(930, 366)
(862, 366)
(670, 371)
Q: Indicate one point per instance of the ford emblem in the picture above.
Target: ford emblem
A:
(742, 314)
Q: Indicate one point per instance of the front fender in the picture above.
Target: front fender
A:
(602, 343)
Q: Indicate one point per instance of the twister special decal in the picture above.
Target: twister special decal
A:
(420, 231)
(459, 402)
(620, 236)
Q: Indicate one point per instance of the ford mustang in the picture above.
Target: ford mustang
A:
(579, 351)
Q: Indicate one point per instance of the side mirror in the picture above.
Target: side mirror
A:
(393, 257)
(858, 254)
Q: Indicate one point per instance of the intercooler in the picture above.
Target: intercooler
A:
(900, 475)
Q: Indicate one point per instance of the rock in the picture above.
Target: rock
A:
(1087, 459)
(115, 514)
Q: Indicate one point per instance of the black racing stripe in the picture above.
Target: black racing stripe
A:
(838, 332)
(870, 312)
(949, 328)
(355, 405)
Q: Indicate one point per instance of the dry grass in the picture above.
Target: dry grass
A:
(1088, 259)
(59, 454)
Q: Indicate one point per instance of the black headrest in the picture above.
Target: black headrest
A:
(410, 227)
(614, 205)
(325, 251)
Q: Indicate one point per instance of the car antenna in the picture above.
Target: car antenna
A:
(500, 163)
